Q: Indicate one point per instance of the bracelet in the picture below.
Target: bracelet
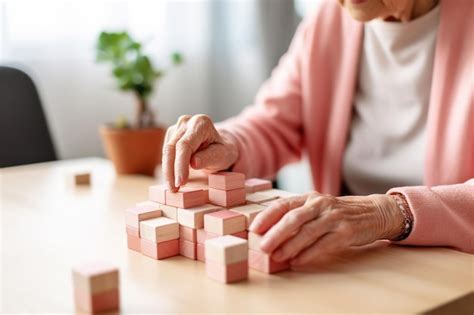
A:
(407, 216)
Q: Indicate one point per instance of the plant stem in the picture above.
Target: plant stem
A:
(144, 116)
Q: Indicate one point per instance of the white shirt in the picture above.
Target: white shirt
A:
(386, 146)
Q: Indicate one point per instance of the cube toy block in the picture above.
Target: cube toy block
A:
(132, 231)
(96, 287)
(226, 250)
(134, 215)
(157, 193)
(194, 217)
(187, 234)
(256, 184)
(200, 252)
(159, 230)
(254, 241)
(279, 193)
(159, 250)
(187, 249)
(81, 179)
(133, 243)
(250, 211)
(227, 198)
(259, 197)
(262, 262)
(169, 211)
(226, 180)
(224, 222)
(227, 273)
(202, 236)
(186, 197)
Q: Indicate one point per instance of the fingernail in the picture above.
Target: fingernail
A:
(264, 245)
(253, 226)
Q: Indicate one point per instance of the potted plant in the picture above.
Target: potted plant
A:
(134, 148)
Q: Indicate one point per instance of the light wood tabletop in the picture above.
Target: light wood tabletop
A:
(48, 226)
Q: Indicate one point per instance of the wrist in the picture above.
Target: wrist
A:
(389, 216)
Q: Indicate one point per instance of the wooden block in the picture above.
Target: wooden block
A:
(186, 197)
(200, 252)
(279, 193)
(254, 241)
(224, 222)
(187, 234)
(166, 211)
(97, 303)
(203, 236)
(187, 249)
(226, 249)
(133, 243)
(227, 273)
(227, 198)
(250, 211)
(157, 193)
(256, 184)
(259, 197)
(159, 230)
(159, 250)
(133, 216)
(194, 217)
(82, 179)
(226, 180)
(268, 203)
(263, 263)
(95, 277)
(132, 231)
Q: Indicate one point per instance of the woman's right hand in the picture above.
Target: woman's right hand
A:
(194, 141)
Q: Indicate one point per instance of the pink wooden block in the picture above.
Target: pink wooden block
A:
(200, 252)
(134, 215)
(224, 222)
(263, 263)
(202, 235)
(99, 302)
(95, 277)
(256, 184)
(133, 243)
(187, 234)
(226, 180)
(187, 249)
(132, 231)
(227, 273)
(157, 193)
(159, 250)
(227, 198)
(187, 197)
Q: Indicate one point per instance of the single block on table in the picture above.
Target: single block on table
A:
(187, 234)
(133, 243)
(259, 197)
(187, 197)
(200, 252)
(264, 263)
(226, 180)
(224, 222)
(96, 287)
(227, 198)
(82, 178)
(187, 249)
(157, 193)
(159, 250)
(250, 211)
(159, 229)
(256, 184)
(194, 217)
(133, 216)
(202, 235)
(227, 273)
(226, 250)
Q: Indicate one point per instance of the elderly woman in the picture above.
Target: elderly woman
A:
(379, 94)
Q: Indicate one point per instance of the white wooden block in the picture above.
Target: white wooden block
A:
(250, 211)
(194, 217)
(159, 230)
(226, 249)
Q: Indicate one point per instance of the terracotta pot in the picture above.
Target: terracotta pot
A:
(133, 151)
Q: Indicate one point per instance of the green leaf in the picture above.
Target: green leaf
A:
(177, 58)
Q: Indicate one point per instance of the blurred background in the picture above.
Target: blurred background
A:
(229, 48)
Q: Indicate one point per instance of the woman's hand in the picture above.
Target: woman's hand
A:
(304, 228)
(195, 141)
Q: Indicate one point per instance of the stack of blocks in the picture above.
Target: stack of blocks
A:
(203, 223)
(96, 287)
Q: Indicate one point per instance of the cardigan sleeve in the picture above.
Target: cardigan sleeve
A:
(443, 215)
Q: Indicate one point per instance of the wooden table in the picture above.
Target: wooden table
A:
(47, 226)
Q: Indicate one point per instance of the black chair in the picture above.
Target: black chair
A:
(24, 134)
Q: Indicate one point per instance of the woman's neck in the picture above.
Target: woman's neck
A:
(415, 9)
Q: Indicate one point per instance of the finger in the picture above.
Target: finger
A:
(288, 226)
(307, 235)
(329, 243)
(268, 217)
(213, 158)
(169, 153)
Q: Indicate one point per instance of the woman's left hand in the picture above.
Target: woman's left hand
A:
(304, 228)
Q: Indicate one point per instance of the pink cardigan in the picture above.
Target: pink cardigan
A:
(306, 106)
